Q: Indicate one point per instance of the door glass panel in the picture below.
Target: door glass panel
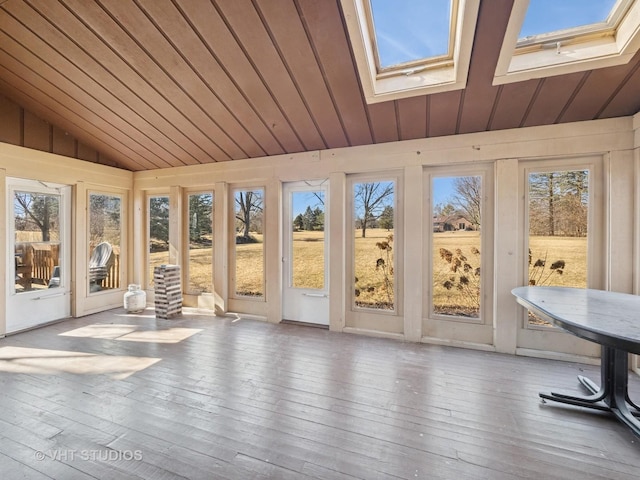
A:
(249, 244)
(201, 243)
(37, 240)
(456, 230)
(558, 226)
(158, 233)
(105, 214)
(374, 220)
(307, 241)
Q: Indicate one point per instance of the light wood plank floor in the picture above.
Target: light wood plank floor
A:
(117, 396)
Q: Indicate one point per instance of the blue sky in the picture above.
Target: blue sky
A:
(552, 15)
(442, 190)
(408, 30)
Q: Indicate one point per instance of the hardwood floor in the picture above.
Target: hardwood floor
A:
(117, 396)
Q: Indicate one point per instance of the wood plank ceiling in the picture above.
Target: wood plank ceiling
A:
(163, 83)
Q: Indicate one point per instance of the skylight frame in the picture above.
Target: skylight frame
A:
(603, 44)
(407, 80)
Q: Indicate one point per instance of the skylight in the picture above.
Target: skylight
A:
(411, 47)
(411, 30)
(554, 37)
(549, 16)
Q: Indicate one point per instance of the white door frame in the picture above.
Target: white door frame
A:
(308, 305)
(39, 306)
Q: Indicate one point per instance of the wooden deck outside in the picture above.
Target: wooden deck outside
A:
(119, 396)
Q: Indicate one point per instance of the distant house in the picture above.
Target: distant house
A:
(451, 223)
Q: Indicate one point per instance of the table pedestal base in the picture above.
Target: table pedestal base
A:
(612, 395)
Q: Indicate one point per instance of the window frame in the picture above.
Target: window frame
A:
(603, 44)
(595, 220)
(413, 78)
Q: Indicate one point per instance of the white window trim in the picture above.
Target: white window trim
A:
(608, 49)
(414, 81)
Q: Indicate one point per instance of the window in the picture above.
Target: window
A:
(105, 230)
(158, 214)
(412, 32)
(457, 246)
(551, 38)
(411, 48)
(37, 240)
(200, 241)
(249, 243)
(548, 18)
(558, 213)
(374, 221)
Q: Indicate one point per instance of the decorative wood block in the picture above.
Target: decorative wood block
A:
(167, 289)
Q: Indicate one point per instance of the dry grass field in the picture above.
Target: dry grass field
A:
(308, 266)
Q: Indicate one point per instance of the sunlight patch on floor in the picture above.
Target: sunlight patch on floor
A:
(132, 333)
(52, 362)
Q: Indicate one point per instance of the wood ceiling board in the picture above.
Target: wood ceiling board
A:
(328, 35)
(36, 133)
(293, 43)
(178, 81)
(212, 85)
(443, 113)
(50, 99)
(11, 121)
(480, 94)
(595, 93)
(513, 103)
(627, 100)
(34, 101)
(270, 127)
(198, 32)
(148, 80)
(384, 123)
(250, 31)
(63, 143)
(412, 117)
(53, 78)
(92, 55)
(552, 98)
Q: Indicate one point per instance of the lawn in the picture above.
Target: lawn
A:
(370, 287)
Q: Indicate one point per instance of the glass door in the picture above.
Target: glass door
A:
(306, 263)
(39, 255)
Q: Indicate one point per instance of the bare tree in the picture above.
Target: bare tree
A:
(248, 203)
(468, 198)
(39, 209)
(371, 200)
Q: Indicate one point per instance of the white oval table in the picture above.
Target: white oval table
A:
(610, 319)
